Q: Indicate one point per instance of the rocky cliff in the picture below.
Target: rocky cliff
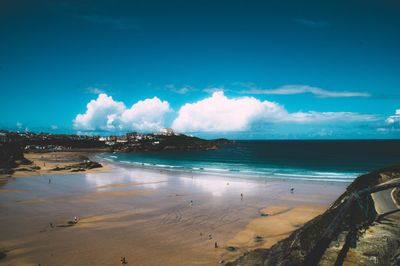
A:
(349, 232)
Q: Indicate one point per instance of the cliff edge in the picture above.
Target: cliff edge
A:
(362, 227)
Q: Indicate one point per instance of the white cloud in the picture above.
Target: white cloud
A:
(300, 89)
(322, 117)
(182, 90)
(146, 115)
(105, 113)
(100, 114)
(211, 90)
(94, 90)
(216, 113)
(394, 119)
(220, 113)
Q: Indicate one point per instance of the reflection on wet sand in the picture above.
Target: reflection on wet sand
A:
(183, 218)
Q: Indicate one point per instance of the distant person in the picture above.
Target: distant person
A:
(75, 219)
(209, 236)
(292, 190)
(49, 181)
(241, 196)
(216, 244)
(191, 203)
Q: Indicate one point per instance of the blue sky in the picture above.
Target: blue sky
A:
(242, 69)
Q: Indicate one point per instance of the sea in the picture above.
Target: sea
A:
(302, 160)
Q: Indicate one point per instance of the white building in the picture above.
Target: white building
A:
(166, 132)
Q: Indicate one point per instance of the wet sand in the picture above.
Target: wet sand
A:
(147, 216)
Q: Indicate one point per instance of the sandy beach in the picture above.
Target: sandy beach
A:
(150, 217)
(47, 161)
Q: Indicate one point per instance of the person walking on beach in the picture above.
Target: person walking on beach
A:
(49, 181)
(241, 196)
(216, 244)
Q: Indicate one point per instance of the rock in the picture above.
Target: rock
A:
(77, 170)
(79, 167)
(24, 169)
(2, 255)
(258, 239)
(24, 161)
(378, 245)
(231, 249)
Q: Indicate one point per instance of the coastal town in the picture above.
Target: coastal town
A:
(15, 145)
(165, 139)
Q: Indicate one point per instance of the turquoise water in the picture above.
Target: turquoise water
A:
(332, 161)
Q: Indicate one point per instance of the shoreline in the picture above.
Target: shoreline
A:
(261, 177)
(150, 211)
(70, 157)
